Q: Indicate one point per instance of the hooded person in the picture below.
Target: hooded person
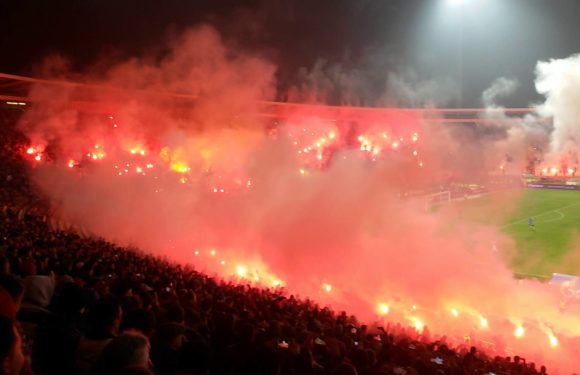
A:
(38, 292)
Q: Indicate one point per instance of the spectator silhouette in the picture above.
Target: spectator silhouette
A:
(11, 355)
(102, 326)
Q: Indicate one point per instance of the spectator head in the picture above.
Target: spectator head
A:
(344, 369)
(141, 320)
(126, 350)
(206, 305)
(71, 299)
(174, 313)
(146, 299)
(133, 370)
(171, 335)
(104, 319)
(246, 333)
(4, 265)
(11, 292)
(193, 319)
(372, 357)
(129, 303)
(193, 359)
(360, 359)
(11, 356)
(8, 307)
(122, 288)
(27, 267)
(13, 286)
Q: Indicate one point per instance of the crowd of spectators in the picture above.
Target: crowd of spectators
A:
(76, 305)
(15, 187)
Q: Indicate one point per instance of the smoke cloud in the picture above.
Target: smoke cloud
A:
(558, 80)
(315, 204)
(501, 87)
(372, 80)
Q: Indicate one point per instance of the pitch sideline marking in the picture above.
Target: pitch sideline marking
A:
(556, 219)
(543, 213)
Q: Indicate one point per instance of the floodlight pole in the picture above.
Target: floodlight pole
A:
(461, 62)
(460, 53)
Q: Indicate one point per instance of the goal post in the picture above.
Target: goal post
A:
(437, 199)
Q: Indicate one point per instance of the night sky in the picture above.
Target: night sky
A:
(419, 40)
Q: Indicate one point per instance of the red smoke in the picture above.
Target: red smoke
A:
(198, 177)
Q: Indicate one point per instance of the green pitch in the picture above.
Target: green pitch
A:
(541, 251)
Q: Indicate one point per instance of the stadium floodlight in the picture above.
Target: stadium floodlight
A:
(465, 3)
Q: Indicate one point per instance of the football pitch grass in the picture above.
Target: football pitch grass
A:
(552, 246)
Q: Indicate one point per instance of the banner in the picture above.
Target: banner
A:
(569, 286)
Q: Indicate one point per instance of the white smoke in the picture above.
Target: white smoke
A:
(500, 88)
(559, 81)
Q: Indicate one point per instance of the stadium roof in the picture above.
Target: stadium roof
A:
(90, 97)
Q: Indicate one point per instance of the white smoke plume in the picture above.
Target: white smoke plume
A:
(500, 88)
(558, 80)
